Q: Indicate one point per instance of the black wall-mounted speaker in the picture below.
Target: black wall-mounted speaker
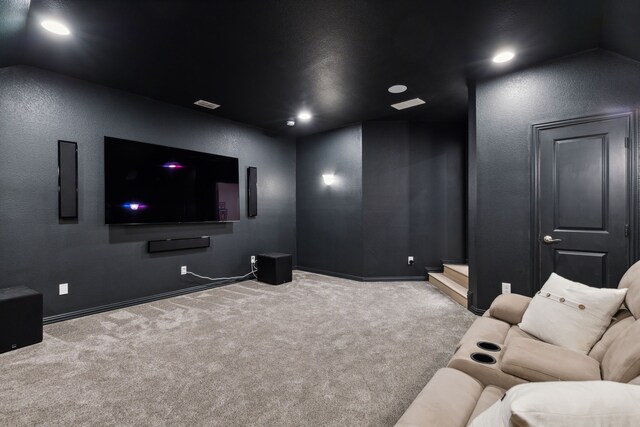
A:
(67, 180)
(252, 191)
(20, 317)
(178, 244)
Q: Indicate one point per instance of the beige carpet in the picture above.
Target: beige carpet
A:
(319, 351)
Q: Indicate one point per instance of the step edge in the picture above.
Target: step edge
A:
(459, 289)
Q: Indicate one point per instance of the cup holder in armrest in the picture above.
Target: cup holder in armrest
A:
(489, 346)
(483, 358)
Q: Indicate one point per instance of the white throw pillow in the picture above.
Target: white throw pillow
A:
(570, 314)
(561, 404)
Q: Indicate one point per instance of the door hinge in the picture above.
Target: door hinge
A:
(626, 230)
(626, 142)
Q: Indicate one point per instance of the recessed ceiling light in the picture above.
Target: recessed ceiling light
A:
(304, 116)
(505, 56)
(55, 27)
(408, 104)
(291, 122)
(206, 104)
(397, 88)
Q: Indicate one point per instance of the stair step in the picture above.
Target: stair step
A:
(453, 289)
(458, 273)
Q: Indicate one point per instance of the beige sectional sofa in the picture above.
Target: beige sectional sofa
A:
(476, 378)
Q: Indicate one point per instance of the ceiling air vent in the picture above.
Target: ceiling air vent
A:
(408, 104)
(206, 104)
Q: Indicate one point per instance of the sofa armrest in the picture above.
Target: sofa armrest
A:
(539, 361)
(509, 307)
(448, 400)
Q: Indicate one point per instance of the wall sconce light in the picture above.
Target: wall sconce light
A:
(328, 178)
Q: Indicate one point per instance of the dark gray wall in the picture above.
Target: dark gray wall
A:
(591, 83)
(329, 218)
(400, 192)
(620, 31)
(102, 264)
(472, 192)
(413, 196)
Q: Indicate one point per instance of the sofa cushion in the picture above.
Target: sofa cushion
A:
(540, 361)
(570, 314)
(486, 329)
(631, 281)
(447, 401)
(516, 332)
(621, 362)
(489, 396)
(509, 307)
(559, 404)
(619, 324)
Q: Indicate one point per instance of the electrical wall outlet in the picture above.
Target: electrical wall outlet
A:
(63, 289)
(410, 261)
(183, 270)
(253, 259)
(506, 288)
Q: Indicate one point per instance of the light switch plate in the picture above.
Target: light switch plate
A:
(506, 288)
(63, 288)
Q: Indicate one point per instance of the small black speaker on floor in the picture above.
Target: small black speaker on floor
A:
(20, 318)
(274, 268)
(67, 180)
(252, 191)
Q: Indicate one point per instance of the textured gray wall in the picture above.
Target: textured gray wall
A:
(400, 192)
(413, 196)
(102, 264)
(592, 83)
(329, 218)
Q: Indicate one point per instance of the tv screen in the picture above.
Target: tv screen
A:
(147, 183)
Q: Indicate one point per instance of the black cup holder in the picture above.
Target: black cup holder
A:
(483, 358)
(489, 346)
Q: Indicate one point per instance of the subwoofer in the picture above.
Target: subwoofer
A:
(20, 318)
(275, 268)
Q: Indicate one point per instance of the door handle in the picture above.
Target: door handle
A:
(548, 240)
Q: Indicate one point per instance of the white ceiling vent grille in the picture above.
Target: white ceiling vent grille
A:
(206, 104)
(408, 104)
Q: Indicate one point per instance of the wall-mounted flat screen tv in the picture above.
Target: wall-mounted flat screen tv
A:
(151, 184)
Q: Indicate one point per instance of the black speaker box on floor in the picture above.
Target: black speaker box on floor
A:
(20, 318)
(274, 268)
(252, 191)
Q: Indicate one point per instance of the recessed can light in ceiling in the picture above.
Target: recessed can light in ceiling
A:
(291, 122)
(504, 56)
(55, 27)
(397, 88)
(304, 116)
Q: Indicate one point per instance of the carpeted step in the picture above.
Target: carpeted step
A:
(459, 273)
(453, 289)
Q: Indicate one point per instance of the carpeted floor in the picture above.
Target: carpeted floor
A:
(318, 351)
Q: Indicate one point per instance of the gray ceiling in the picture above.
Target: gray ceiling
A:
(264, 60)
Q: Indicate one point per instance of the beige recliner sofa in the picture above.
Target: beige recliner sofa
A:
(475, 377)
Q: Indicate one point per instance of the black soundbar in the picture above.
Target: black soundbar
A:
(178, 244)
